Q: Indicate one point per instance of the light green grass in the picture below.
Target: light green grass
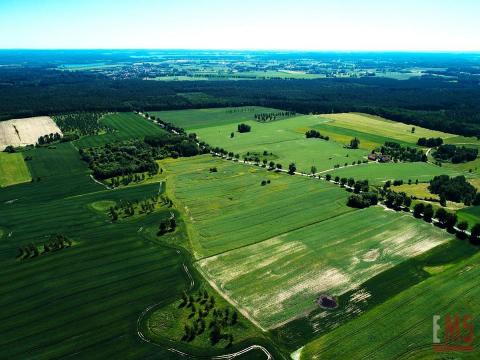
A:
(279, 279)
(202, 118)
(401, 328)
(56, 172)
(377, 173)
(470, 214)
(382, 127)
(368, 141)
(230, 209)
(419, 191)
(13, 169)
(127, 126)
(286, 140)
(102, 205)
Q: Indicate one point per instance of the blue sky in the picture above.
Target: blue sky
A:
(427, 25)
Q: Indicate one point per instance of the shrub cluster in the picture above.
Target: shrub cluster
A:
(316, 135)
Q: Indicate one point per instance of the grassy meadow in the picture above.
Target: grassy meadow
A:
(285, 139)
(13, 169)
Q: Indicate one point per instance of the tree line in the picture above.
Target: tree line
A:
(272, 116)
(430, 142)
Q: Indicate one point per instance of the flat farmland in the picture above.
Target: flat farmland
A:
(201, 118)
(56, 172)
(13, 169)
(21, 132)
(279, 279)
(229, 208)
(401, 328)
(285, 139)
(126, 126)
(84, 300)
(378, 174)
(393, 130)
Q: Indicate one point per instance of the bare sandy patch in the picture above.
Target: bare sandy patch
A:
(22, 132)
(371, 255)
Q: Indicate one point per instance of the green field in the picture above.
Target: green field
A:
(279, 279)
(230, 209)
(56, 172)
(202, 118)
(13, 169)
(83, 300)
(127, 126)
(263, 243)
(393, 130)
(285, 139)
(401, 328)
(377, 173)
(470, 214)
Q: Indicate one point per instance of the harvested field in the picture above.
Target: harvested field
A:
(22, 132)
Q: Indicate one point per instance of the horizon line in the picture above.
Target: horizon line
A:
(445, 51)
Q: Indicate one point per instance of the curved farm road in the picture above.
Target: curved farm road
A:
(233, 355)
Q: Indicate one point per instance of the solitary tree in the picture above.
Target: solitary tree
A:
(354, 143)
(313, 169)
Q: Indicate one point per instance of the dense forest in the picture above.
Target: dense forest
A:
(430, 102)
(138, 156)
